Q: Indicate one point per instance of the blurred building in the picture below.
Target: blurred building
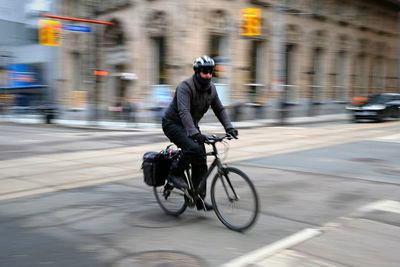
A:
(313, 55)
(27, 69)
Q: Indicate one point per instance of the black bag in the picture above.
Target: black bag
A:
(155, 167)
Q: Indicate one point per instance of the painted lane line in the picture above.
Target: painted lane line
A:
(269, 250)
(389, 138)
(382, 205)
(257, 257)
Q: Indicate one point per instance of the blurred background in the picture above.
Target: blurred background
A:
(74, 196)
(122, 60)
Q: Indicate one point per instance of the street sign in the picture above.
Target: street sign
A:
(49, 32)
(250, 22)
(76, 28)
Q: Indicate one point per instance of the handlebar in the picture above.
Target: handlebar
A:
(212, 139)
(172, 153)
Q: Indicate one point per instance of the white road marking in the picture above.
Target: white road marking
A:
(267, 251)
(256, 257)
(389, 138)
(382, 205)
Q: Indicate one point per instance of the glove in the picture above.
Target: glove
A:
(233, 132)
(199, 138)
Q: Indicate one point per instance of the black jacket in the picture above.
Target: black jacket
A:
(191, 102)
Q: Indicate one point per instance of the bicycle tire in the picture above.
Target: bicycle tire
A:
(174, 204)
(236, 214)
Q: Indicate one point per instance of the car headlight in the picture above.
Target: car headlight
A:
(374, 107)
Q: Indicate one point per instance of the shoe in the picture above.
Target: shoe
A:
(177, 182)
(167, 190)
(207, 206)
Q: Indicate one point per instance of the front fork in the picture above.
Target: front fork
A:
(227, 185)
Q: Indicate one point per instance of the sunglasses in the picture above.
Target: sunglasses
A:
(207, 70)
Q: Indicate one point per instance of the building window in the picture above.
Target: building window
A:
(339, 93)
(114, 34)
(218, 48)
(256, 70)
(341, 11)
(317, 7)
(76, 71)
(377, 76)
(159, 69)
(316, 87)
(255, 61)
(359, 88)
(290, 88)
(120, 85)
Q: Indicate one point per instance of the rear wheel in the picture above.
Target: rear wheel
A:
(235, 200)
(170, 199)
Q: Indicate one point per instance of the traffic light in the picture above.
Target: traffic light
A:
(250, 22)
(49, 32)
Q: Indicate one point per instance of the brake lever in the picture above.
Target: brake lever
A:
(230, 137)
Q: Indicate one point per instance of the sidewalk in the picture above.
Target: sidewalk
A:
(151, 126)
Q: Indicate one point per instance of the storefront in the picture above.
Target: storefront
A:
(24, 87)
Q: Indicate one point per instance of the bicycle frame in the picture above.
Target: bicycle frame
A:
(216, 163)
(226, 185)
(222, 192)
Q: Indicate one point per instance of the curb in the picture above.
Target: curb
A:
(146, 127)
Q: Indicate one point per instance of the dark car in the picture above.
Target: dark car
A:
(377, 107)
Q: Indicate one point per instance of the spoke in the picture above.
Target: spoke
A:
(237, 213)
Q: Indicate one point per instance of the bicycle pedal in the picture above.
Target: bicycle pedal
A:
(166, 192)
(189, 199)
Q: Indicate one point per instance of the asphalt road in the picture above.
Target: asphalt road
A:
(120, 224)
(26, 140)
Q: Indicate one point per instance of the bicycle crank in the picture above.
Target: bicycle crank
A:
(189, 199)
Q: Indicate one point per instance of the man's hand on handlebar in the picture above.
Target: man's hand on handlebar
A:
(233, 132)
(199, 138)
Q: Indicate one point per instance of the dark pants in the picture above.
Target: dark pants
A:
(193, 153)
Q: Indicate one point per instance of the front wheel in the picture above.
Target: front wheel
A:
(170, 199)
(235, 199)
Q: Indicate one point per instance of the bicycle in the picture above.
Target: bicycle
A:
(233, 195)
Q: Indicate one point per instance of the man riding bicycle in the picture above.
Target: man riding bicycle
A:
(192, 99)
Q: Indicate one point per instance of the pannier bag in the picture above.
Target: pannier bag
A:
(155, 168)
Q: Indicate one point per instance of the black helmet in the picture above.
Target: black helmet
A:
(203, 62)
